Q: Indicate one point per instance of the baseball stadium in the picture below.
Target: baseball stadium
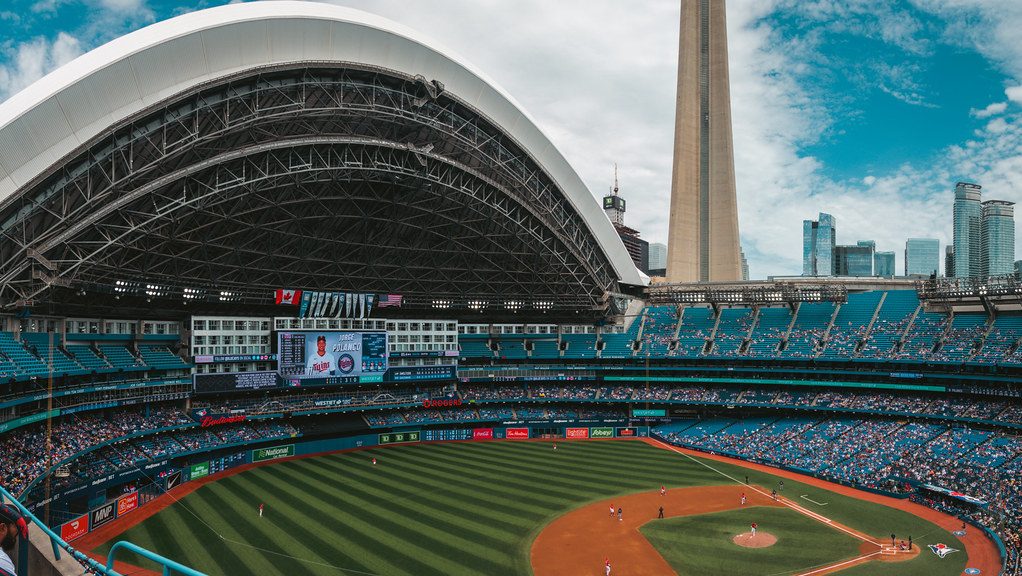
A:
(289, 288)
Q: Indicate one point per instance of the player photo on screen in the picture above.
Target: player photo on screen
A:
(321, 362)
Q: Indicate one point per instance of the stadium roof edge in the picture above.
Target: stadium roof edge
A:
(50, 119)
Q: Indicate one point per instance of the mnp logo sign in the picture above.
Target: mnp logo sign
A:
(942, 550)
(102, 515)
(601, 433)
(75, 529)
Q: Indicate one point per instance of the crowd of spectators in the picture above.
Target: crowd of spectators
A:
(886, 455)
(127, 438)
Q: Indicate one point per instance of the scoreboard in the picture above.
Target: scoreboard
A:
(441, 435)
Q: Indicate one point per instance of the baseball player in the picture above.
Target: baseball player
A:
(611, 510)
(754, 526)
(619, 514)
(663, 491)
(374, 460)
(320, 362)
(261, 505)
(606, 567)
(743, 498)
(773, 494)
(661, 515)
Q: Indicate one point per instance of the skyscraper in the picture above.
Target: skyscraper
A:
(818, 240)
(949, 261)
(922, 256)
(657, 256)
(883, 264)
(745, 266)
(967, 223)
(998, 238)
(703, 240)
(854, 260)
(614, 207)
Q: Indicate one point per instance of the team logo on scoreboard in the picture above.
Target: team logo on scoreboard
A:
(345, 363)
(942, 550)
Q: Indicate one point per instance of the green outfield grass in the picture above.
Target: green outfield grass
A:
(702, 546)
(465, 508)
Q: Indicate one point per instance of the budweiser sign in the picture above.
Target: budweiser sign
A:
(208, 421)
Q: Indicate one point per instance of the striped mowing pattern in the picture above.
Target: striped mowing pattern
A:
(424, 509)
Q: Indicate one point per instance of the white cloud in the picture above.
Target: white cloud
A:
(991, 110)
(31, 60)
(869, 180)
(1014, 94)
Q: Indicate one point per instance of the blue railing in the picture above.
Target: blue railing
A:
(58, 544)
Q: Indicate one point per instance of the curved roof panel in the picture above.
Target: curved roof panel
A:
(70, 107)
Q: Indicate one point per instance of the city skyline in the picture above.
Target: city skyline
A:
(836, 106)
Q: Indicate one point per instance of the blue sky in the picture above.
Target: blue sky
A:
(868, 109)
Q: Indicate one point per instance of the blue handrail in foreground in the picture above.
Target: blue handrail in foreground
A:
(58, 544)
(169, 566)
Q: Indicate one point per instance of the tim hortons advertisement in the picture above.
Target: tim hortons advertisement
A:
(576, 432)
(75, 529)
(627, 432)
(127, 504)
(516, 433)
(482, 434)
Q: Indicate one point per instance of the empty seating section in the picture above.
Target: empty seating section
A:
(850, 324)
(119, 357)
(545, 348)
(39, 344)
(897, 309)
(734, 326)
(511, 347)
(19, 359)
(579, 345)
(810, 324)
(963, 337)
(161, 358)
(769, 330)
(696, 325)
(87, 358)
(474, 346)
(619, 345)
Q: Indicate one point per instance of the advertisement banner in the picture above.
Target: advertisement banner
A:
(75, 529)
(482, 434)
(173, 479)
(127, 503)
(576, 432)
(198, 470)
(606, 432)
(649, 413)
(516, 433)
(325, 354)
(102, 515)
(627, 432)
(273, 453)
(235, 382)
(398, 437)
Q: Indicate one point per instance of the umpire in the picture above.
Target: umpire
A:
(12, 525)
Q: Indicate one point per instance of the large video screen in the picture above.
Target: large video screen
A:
(339, 357)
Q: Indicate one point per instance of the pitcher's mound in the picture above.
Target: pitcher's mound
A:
(760, 540)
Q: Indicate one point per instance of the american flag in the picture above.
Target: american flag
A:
(389, 300)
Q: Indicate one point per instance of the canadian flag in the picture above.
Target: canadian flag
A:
(289, 297)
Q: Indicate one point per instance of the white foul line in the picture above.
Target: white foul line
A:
(806, 497)
(784, 501)
(832, 566)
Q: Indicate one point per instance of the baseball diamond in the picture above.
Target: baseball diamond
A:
(482, 508)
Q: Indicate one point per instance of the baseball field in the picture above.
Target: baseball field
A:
(524, 508)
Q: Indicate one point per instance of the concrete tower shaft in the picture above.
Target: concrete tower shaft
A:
(703, 236)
